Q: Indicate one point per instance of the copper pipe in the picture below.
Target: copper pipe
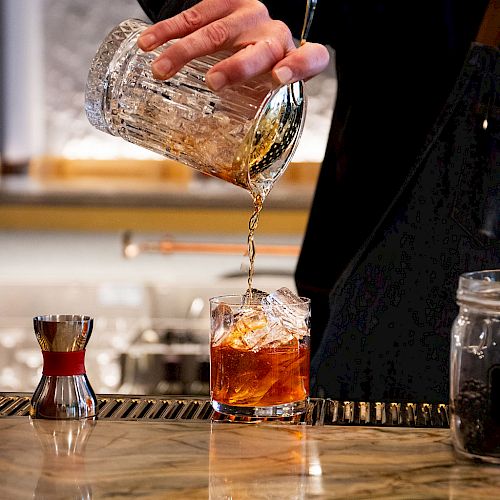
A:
(236, 248)
(169, 246)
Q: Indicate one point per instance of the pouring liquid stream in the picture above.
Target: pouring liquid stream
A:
(259, 192)
(258, 202)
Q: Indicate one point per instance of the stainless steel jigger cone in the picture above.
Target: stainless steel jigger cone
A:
(64, 391)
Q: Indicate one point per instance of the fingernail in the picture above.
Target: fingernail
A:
(283, 74)
(162, 68)
(216, 80)
(147, 41)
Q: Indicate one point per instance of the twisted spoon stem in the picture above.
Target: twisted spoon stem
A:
(310, 8)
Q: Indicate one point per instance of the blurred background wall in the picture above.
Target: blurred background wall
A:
(69, 194)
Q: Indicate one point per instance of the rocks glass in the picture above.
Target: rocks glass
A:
(245, 134)
(64, 391)
(475, 367)
(259, 354)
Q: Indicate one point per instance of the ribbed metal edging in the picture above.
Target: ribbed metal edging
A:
(386, 414)
(319, 411)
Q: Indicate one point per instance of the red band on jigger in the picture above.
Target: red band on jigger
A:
(60, 364)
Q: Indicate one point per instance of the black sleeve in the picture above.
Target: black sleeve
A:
(292, 15)
(157, 10)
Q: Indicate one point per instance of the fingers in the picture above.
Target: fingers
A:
(263, 47)
(182, 24)
(261, 44)
(301, 64)
(206, 12)
(294, 65)
(206, 40)
(248, 62)
(208, 27)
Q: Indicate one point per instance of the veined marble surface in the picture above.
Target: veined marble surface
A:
(145, 460)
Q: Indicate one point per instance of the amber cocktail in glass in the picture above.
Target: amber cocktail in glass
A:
(260, 354)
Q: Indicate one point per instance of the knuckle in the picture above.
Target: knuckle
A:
(192, 18)
(229, 4)
(239, 71)
(275, 50)
(260, 10)
(282, 30)
(217, 33)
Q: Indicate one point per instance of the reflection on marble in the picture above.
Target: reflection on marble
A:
(62, 471)
(240, 462)
(149, 460)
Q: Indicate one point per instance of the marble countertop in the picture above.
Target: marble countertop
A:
(149, 460)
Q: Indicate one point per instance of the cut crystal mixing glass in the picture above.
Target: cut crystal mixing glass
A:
(245, 134)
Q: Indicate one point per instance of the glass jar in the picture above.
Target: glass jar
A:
(475, 367)
(245, 134)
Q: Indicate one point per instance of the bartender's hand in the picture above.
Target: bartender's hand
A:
(261, 44)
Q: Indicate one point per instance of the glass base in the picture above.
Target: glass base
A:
(477, 458)
(275, 411)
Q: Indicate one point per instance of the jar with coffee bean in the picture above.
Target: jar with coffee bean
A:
(475, 367)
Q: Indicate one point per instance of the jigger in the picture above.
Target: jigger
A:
(64, 391)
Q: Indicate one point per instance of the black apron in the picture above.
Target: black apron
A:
(391, 311)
